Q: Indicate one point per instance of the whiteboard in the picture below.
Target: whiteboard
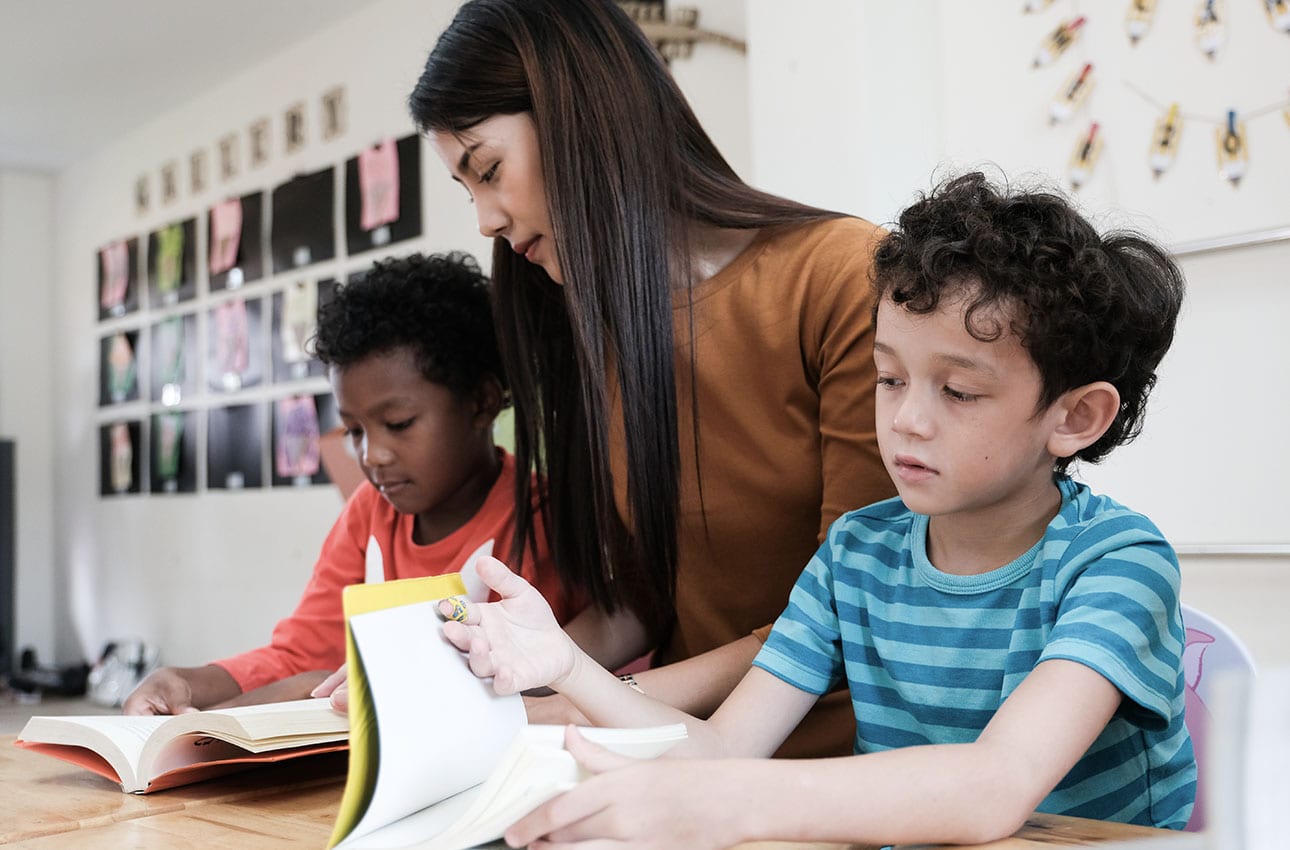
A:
(1212, 466)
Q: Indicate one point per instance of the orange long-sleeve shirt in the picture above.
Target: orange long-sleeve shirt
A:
(313, 637)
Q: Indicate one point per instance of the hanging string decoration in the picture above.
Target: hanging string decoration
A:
(1232, 142)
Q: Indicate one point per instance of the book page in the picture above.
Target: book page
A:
(440, 729)
(124, 738)
(234, 733)
(534, 769)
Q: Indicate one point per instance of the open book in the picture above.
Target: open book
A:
(437, 760)
(151, 753)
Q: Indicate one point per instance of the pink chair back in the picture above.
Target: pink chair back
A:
(1210, 646)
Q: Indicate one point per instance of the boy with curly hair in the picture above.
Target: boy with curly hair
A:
(413, 363)
(1011, 640)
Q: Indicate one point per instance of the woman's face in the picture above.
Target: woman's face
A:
(499, 164)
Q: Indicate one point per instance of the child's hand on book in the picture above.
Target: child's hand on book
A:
(164, 691)
(335, 686)
(517, 641)
(637, 804)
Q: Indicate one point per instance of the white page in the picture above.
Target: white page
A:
(441, 728)
(128, 734)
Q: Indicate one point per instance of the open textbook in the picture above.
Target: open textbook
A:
(437, 760)
(152, 753)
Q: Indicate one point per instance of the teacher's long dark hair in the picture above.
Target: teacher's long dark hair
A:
(628, 170)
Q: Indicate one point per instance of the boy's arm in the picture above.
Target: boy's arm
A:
(517, 642)
(696, 685)
(175, 690)
(299, 686)
(957, 793)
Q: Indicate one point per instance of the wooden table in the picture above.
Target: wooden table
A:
(48, 805)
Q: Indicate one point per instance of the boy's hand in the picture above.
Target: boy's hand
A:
(164, 691)
(335, 686)
(634, 804)
(517, 640)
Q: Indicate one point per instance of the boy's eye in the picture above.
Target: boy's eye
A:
(399, 426)
(888, 382)
(959, 396)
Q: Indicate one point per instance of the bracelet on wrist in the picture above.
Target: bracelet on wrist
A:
(630, 681)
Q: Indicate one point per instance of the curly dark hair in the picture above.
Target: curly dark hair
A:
(1087, 307)
(436, 305)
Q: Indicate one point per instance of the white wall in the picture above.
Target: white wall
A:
(28, 378)
(852, 104)
(208, 574)
(856, 104)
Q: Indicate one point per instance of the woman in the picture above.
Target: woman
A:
(690, 358)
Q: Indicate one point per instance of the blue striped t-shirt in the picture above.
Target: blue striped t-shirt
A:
(930, 656)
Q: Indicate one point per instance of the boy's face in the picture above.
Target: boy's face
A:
(419, 444)
(956, 417)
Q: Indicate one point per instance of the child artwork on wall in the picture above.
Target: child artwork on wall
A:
(226, 234)
(236, 350)
(122, 458)
(378, 179)
(299, 322)
(168, 432)
(297, 453)
(119, 373)
(118, 291)
(295, 321)
(383, 194)
(234, 234)
(296, 436)
(172, 263)
(173, 340)
(119, 458)
(115, 277)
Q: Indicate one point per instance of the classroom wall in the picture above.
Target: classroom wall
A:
(845, 103)
(207, 574)
(872, 101)
(28, 383)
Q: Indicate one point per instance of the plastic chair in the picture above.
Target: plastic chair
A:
(1210, 647)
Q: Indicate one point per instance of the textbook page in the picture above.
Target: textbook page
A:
(126, 737)
(440, 729)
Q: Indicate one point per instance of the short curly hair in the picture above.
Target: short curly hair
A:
(1086, 307)
(437, 306)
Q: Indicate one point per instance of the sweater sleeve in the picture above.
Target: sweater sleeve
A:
(313, 636)
(840, 323)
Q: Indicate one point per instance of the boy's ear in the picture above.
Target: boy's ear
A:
(489, 398)
(1084, 415)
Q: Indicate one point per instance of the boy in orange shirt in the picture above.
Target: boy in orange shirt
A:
(413, 363)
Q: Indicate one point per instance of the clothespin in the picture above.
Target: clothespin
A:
(1138, 20)
(1211, 27)
(1071, 95)
(1164, 141)
(1085, 156)
(1058, 40)
(1279, 14)
(1233, 152)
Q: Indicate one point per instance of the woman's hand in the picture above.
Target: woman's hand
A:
(656, 804)
(517, 640)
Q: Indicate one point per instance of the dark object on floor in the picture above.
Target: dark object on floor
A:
(55, 681)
